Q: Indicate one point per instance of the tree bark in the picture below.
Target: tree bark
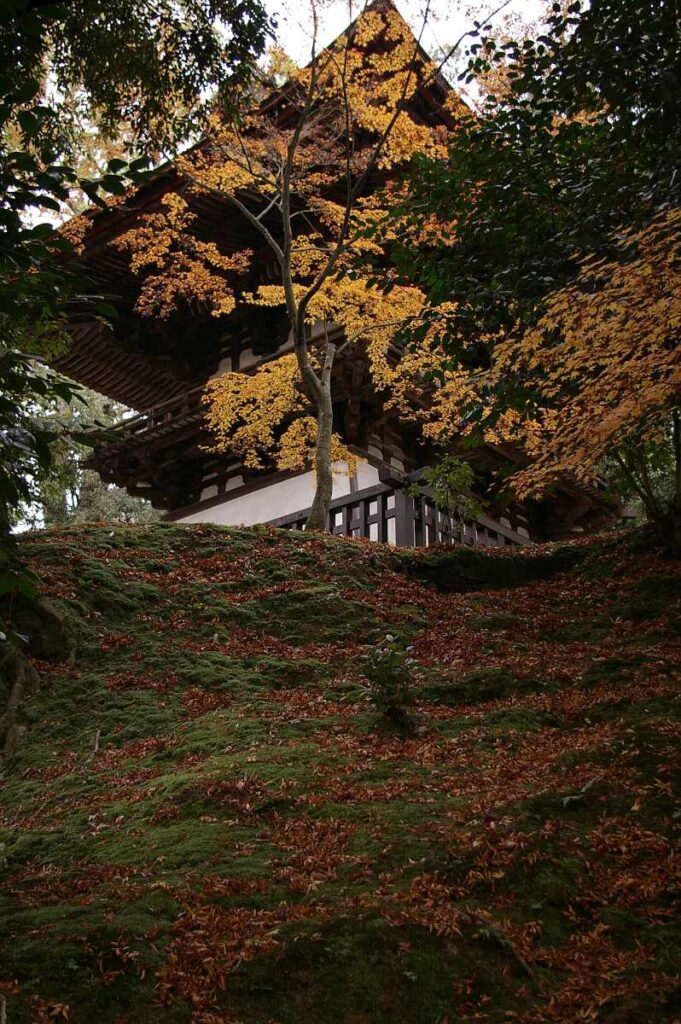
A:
(318, 517)
(674, 541)
(663, 515)
(668, 523)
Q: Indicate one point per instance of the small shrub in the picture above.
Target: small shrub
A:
(389, 672)
(451, 481)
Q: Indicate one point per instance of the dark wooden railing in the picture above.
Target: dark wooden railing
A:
(385, 512)
(165, 418)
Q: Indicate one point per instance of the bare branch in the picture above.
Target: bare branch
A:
(274, 201)
(356, 189)
(248, 214)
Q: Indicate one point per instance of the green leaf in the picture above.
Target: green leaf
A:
(107, 310)
(28, 122)
(110, 183)
(26, 92)
(42, 230)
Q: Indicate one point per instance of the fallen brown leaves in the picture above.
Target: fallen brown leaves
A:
(552, 802)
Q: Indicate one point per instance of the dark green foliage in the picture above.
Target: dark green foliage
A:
(148, 66)
(44, 628)
(550, 184)
(582, 145)
(451, 481)
(70, 493)
(135, 68)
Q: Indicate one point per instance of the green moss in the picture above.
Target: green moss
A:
(607, 669)
(102, 589)
(479, 686)
(268, 769)
(316, 614)
(362, 970)
(465, 569)
(520, 720)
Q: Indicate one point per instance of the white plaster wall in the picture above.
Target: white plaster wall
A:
(282, 498)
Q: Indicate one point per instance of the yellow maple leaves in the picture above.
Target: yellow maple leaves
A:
(603, 365)
(245, 412)
(176, 266)
(604, 360)
(289, 168)
(264, 417)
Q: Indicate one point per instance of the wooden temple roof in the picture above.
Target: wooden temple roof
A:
(97, 359)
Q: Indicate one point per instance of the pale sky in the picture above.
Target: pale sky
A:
(447, 20)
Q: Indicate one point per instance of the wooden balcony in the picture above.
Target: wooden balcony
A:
(163, 419)
(386, 513)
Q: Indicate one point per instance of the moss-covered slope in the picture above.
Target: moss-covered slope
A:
(205, 821)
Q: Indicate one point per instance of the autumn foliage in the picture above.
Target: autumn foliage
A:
(600, 365)
(300, 169)
(603, 363)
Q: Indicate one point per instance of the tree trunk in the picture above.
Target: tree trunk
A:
(318, 518)
(663, 516)
(673, 530)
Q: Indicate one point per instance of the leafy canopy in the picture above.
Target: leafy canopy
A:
(301, 169)
(559, 259)
(153, 67)
(136, 66)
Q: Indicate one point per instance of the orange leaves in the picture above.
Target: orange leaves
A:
(241, 796)
(246, 414)
(176, 267)
(49, 1013)
(233, 398)
(139, 680)
(264, 415)
(209, 943)
(301, 171)
(197, 702)
(604, 359)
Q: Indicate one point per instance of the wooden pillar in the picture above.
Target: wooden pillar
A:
(404, 520)
(382, 521)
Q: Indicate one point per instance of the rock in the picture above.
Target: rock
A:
(48, 637)
(18, 679)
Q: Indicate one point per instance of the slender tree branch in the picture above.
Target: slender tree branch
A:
(248, 214)
(274, 201)
(676, 441)
(356, 189)
(630, 475)
(398, 321)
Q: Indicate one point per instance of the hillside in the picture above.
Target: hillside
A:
(206, 820)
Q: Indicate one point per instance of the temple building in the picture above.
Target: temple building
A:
(159, 367)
